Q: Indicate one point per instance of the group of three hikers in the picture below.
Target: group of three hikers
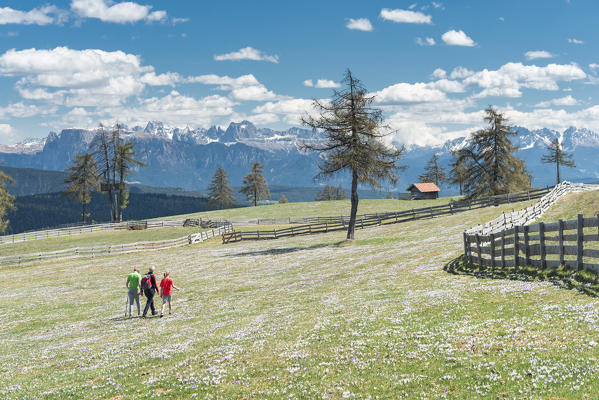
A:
(147, 286)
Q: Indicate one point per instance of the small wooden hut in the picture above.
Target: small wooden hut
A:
(423, 191)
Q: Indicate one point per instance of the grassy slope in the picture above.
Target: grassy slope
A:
(569, 206)
(306, 317)
(95, 239)
(317, 209)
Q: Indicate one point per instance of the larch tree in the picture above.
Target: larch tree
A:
(220, 194)
(254, 186)
(556, 155)
(458, 173)
(82, 179)
(433, 172)
(125, 162)
(492, 167)
(352, 142)
(283, 199)
(7, 201)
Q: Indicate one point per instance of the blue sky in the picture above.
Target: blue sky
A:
(433, 66)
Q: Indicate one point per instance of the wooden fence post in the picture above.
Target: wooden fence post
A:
(480, 254)
(466, 246)
(526, 246)
(561, 241)
(516, 246)
(580, 243)
(542, 244)
(502, 249)
(492, 244)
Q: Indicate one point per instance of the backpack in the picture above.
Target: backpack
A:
(146, 282)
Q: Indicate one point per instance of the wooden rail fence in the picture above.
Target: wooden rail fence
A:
(128, 225)
(330, 224)
(97, 251)
(510, 240)
(542, 245)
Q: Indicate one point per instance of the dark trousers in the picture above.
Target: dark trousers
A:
(149, 301)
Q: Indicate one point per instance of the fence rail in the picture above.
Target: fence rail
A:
(537, 245)
(129, 225)
(328, 224)
(117, 249)
(510, 240)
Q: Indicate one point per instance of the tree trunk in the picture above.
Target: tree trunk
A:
(354, 205)
(559, 178)
(83, 212)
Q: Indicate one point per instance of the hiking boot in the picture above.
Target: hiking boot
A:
(161, 315)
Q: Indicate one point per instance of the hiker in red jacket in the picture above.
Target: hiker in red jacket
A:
(149, 286)
(165, 290)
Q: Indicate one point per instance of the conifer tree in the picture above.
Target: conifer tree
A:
(220, 193)
(283, 199)
(352, 131)
(458, 173)
(254, 186)
(556, 154)
(7, 201)
(125, 161)
(82, 178)
(492, 167)
(433, 172)
(330, 193)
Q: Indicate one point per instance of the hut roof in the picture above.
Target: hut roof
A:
(424, 187)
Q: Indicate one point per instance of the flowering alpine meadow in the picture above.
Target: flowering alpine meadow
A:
(310, 317)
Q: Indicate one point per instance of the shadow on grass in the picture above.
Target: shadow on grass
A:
(586, 282)
(287, 250)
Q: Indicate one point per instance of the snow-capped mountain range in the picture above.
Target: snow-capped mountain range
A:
(187, 157)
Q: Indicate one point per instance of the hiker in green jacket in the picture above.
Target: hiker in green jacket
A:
(133, 280)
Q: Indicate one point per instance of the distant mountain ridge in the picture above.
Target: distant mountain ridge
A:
(187, 158)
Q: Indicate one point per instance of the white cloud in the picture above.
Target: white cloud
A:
(21, 110)
(532, 55)
(75, 77)
(308, 83)
(562, 101)
(429, 41)
(7, 133)
(405, 16)
(439, 73)
(324, 84)
(457, 38)
(225, 82)
(460, 73)
(166, 79)
(290, 109)
(511, 77)
(245, 87)
(253, 93)
(360, 24)
(121, 13)
(38, 16)
(406, 93)
(177, 109)
(247, 53)
(575, 41)
(593, 66)
(447, 86)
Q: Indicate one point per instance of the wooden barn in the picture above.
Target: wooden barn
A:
(423, 191)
